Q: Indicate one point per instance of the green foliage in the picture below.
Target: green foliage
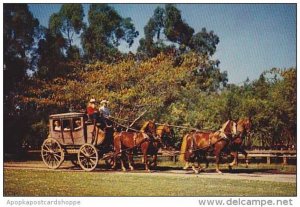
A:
(169, 22)
(19, 30)
(204, 42)
(105, 31)
(50, 55)
(176, 29)
(67, 21)
(183, 88)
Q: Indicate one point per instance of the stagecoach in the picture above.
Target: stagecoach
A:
(72, 136)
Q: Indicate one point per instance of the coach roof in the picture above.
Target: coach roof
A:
(66, 115)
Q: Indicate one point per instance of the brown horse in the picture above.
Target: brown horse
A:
(243, 130)
(164, 134)
(197, 144)
(126, 142)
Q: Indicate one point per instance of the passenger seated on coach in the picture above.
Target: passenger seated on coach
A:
(77, 124)
(92, 112)
(57, 125)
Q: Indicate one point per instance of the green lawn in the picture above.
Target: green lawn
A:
(19, 182)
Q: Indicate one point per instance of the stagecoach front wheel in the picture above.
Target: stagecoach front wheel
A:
(88, 157)
(52, 153)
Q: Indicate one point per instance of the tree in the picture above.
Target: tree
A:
(67, 22)
(152, 45)
(20, 28)
(50, 55)
(204, 42)
(168, 21)
(106, 29)
(176, 29)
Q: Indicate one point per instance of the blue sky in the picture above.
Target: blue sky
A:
(253, 37)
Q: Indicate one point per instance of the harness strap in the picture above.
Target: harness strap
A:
(134, 138)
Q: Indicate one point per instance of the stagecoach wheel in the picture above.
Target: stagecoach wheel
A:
(88, 157)
(52, 153)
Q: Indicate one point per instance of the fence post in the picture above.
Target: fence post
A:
(269, 160)
(174, 158)
(284, 160)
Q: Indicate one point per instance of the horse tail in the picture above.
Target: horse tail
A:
(183, 147)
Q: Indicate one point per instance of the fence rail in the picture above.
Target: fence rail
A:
(266, 156)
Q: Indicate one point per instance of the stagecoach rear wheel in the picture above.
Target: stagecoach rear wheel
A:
(88, 157)
(52, 153)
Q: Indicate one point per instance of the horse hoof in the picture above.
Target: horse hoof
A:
(219, 172)
(196, 171)
(124, 169)
(131, 168)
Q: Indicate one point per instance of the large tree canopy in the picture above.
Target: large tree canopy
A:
(67, 22)
(176, 80)
(169, 22)
(19, 30)
(105, 31)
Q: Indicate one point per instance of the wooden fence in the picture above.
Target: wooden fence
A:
(258, 156)
(283, 156)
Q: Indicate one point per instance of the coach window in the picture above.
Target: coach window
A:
(77, 124)
(56, 125)
(67, 125)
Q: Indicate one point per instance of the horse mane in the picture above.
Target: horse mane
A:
(224, 126)
(145, 126)
(160, 127)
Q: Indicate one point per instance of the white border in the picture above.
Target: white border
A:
(130, 201)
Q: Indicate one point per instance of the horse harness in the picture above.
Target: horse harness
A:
(194, 148)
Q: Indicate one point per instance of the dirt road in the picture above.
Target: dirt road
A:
(161, 171)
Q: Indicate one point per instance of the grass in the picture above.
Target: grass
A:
(21, 182)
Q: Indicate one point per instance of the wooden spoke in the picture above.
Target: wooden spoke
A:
(88, 157)
(52, 153)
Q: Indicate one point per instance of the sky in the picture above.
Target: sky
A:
(253, 37)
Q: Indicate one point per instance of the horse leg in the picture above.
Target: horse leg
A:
(186, 166)
(218, 153)
(115, 162)
(117, 155)
(194, 168)
(205, 160)
(235, 157)
(246, 156)
(122, 162)
(146, 162)
(193, 165)
(154, 161)
(130, 159)
(186, 159)
(199, 166)
(144, 148)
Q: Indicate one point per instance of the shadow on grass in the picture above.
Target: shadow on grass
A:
(141, 168)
